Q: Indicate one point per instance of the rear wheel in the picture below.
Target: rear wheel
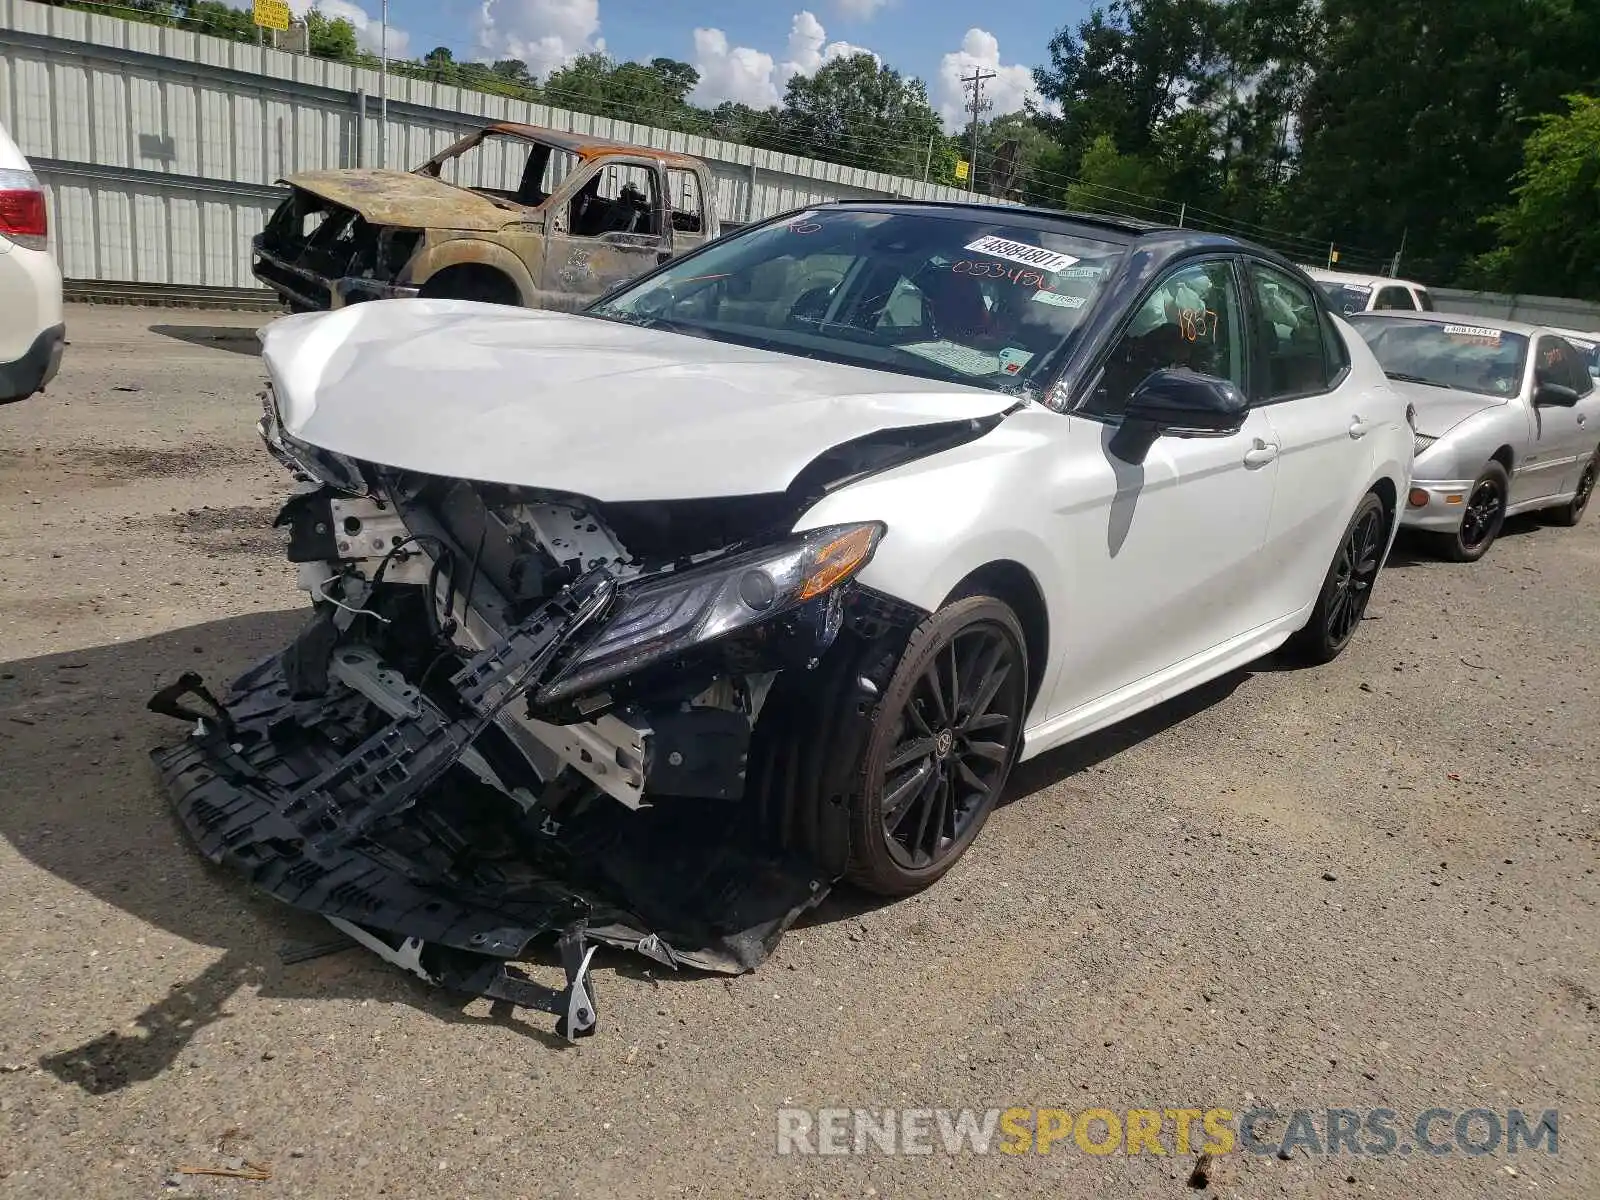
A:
(1482, 518)
(1572, 512)
(1347, 588)
(946, 735)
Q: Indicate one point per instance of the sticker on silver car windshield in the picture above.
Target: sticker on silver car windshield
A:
(1020, 252)
(1472, 331)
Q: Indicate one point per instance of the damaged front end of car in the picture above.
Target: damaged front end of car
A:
(514, 713)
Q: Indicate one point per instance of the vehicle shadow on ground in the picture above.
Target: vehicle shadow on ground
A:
(85, 806)
(238, 339)
(82, 802)
(846, 903)
(1412, 549)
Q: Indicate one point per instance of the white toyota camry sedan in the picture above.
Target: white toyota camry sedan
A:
(767, 568)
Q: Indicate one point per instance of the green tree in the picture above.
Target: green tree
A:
(861, 113)
(1112, 182)
(331, 37)
(1415, 119)
(1550, 234)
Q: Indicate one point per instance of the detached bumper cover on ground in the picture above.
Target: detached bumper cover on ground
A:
(390, 838)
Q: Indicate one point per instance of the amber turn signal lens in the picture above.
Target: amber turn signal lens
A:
(838, 560)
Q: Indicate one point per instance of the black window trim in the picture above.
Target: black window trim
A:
(1083, 386)
(1259, 398)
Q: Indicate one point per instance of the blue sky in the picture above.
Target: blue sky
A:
(746, 49)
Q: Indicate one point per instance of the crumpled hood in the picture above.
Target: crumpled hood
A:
(403, 200)
(576, 404)
(1441, 409)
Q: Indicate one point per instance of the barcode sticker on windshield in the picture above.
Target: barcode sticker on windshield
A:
(1020, 252)
(1473, 331)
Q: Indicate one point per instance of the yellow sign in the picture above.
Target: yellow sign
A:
(1334, 256)
(962, 169)
(272, 14)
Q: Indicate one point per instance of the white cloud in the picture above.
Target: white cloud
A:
(1010, 89)
(545, 34)
(860, 10)
(754, 77)
(732, 72)
(369, 29)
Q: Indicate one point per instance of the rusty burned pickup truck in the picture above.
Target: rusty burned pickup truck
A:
(510, 214)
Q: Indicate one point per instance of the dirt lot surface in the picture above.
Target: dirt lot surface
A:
(1371, 885)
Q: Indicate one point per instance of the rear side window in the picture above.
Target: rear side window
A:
(1395, 297)
(1304, 354)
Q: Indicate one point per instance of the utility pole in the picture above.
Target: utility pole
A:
(1394, 267)
(383, 93)
(979, 105)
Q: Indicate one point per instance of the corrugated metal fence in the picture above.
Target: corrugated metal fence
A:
(161, 148)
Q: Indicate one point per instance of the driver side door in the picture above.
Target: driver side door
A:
(607, 224)
(1164, 556)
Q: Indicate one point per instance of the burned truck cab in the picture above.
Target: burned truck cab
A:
(510, 214)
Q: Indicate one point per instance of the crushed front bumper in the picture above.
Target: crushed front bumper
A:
(401, 838)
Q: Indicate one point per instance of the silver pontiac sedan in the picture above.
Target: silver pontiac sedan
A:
(1507, 421)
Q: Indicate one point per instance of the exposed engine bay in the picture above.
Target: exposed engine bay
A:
(514, 713)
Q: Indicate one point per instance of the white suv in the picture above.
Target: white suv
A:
(33, 332)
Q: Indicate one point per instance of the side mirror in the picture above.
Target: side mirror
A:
(1187, 404)
(1553, 395)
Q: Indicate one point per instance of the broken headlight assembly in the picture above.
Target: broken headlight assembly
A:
(664, 617)
(309, 463)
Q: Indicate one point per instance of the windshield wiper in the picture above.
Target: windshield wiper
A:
(1404, 378)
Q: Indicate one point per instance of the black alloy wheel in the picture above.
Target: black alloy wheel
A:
(1482, 517)
(947, 734)
(1571, 513)
(1347, 587)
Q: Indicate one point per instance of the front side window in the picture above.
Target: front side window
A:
(1191, 321)
(1395, 297)
(1469, 358)
(1559, 362)
(621, 198)
(1425, 298)
(1292, 334)
(960, 297)
(1588, 350)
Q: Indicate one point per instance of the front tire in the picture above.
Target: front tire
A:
(1483, 518)
(943, 742)
(1347, 587)
(1571, 513)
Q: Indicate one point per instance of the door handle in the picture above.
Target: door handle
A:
(1359, 428)
(1260, 454)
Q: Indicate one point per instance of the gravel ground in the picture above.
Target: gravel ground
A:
(1367, 885)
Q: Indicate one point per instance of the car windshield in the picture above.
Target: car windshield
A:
(1346, 298)
(955, 296)
(1469, 358)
